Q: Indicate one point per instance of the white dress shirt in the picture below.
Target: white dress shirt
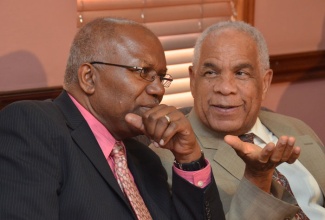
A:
(302, 183)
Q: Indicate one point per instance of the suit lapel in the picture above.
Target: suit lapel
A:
(312, 156)
(151, 205)
(278, 128)
(225, 155)
(228, 159)
(134, 164)
(313, 159)
(88, 144)
(86, 141)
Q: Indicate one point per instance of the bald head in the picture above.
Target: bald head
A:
(97, 41)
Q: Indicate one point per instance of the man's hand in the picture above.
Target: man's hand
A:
(168, 128)
(261, 162)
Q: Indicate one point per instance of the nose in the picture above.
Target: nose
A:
(156, 88)
(226, 84)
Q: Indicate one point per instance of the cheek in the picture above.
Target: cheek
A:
(250, 91)
(117, 97)
(203, 93)
(204, 87)
(253, 102)
(258, 94)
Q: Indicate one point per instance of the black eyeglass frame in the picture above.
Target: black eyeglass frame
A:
(165, 81)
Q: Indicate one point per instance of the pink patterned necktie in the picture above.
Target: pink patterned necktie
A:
(127, 184)
(277, 176)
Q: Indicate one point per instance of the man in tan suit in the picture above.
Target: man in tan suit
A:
(230, 77)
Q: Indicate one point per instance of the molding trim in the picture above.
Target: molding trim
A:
(246, 10)
(298, 66)
(32, 94)
(286, 67)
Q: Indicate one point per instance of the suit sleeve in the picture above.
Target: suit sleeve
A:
(29, 174)
(251, 203)
(192, 202)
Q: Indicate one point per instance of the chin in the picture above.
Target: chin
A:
(226, 128)
(132, 132)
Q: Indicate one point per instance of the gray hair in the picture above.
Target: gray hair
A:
(241, 26)
(91, 43)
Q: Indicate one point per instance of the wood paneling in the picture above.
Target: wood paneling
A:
(287, 68)
(245, 10)
(32, 94)
(298, 66)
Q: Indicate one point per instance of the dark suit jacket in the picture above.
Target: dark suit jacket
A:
(51, 167)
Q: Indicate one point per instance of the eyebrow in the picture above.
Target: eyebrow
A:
(149, 65)
(162, 72)
(243, 66)
(209, 65)
(236, 67)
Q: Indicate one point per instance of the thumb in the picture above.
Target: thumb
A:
(234, 142)
(135, 121)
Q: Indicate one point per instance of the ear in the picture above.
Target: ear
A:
(192, 80)
(267, 79)
(86, 78)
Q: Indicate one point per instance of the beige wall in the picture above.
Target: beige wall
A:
(303, 100)
(35, 37)
(291, 26)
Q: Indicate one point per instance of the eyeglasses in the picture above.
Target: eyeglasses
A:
(146, 73)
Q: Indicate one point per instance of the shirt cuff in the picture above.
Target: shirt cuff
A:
(200, 178)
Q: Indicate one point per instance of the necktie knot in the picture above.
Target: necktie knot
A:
(249, 138)
(118, 151)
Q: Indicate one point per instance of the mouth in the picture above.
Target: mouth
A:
(149, 106)
(144, 108)
(226, 108)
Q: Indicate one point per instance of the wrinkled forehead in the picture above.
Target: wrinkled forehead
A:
(228, 42)
(229, 36)
(228, 49)
(136, 35)
(133, 42)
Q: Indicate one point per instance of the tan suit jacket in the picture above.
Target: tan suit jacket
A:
(240, 198)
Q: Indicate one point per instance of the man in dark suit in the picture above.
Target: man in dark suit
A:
(56, 157)
(229, 79)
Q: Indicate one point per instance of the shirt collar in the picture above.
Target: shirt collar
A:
(261, 132)
(104, 138)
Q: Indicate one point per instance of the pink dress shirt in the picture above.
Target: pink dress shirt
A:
(106, 141)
